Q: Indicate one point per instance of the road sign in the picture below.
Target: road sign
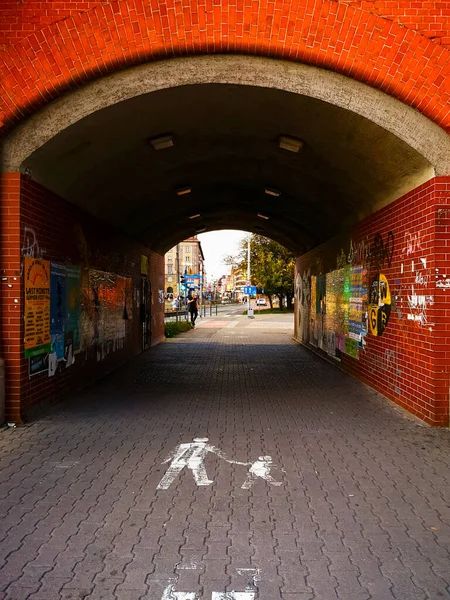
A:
(250, 290)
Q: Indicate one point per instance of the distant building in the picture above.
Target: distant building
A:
(231, 287)
(186, 257)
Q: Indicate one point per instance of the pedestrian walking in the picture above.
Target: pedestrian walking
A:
(192, 305)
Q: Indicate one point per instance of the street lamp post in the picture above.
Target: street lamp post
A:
(249, 310)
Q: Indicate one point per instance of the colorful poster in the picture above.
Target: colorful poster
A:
(57, 308)
(358, 303)
(73, 294)
(351, 348)
(65, 311)
(37, 307)
(107, 304)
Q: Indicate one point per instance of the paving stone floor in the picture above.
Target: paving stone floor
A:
(362, 512)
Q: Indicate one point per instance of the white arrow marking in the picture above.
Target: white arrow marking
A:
(171, 594)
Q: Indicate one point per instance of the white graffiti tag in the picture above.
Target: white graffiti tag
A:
(412, 243)
(418, 305)
(30, 246)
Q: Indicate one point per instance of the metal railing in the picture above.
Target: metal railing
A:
(183, 315)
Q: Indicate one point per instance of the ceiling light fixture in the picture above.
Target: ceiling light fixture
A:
(183, 191)
(164, 141)
(261, 216)
(288, 143)
(195, 216)
(272, 192)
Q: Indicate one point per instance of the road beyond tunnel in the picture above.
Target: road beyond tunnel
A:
(228, 463)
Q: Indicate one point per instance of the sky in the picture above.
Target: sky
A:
(216, 246)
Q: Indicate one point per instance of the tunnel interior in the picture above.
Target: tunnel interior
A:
(224, 167)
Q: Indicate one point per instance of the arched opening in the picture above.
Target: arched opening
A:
(356, 154)
(169, 150)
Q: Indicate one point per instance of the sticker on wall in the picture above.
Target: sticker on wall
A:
(52, 364)
(380, 304)
(38, 364)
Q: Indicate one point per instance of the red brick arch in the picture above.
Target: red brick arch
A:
(338, 37)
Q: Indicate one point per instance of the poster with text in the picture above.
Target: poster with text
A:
(37, 307)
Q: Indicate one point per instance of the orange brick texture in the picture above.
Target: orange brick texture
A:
(19, 19)
(97, 39)
(64, 235)
(11, 321)
(410, 362)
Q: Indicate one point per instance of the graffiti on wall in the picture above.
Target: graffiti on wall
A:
(413, 243)
(106, 307)
(303, 302)
(30, 245)
(359, 252)
(418, 305)
(382, 251)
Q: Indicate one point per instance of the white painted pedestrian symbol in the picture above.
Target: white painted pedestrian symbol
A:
(192, 456)
(260, 468)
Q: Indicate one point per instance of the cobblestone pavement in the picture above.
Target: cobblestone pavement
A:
(363, 512)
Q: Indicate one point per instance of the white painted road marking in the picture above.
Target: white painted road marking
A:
(171, 594)
(260, 468)
(192, 456)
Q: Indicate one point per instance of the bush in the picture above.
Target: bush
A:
(173, 328)
(270, 311)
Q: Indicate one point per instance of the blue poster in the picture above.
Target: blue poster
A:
(57, 308)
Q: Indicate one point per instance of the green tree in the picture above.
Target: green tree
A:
(271, 265)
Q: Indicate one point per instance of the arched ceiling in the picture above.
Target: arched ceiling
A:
(226, 150)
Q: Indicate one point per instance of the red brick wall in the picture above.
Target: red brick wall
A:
(67, 235)
(431, 19)
(11, 287)
(111, 36)
(19, 19)
(410, 362)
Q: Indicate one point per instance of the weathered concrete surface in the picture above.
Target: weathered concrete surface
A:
(363, 512)
(399, 119)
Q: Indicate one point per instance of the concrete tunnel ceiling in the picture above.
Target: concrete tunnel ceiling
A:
(226, 150)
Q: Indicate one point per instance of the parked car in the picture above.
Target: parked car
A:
(261, 302)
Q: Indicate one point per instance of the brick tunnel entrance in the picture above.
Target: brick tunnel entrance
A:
(102, 182)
